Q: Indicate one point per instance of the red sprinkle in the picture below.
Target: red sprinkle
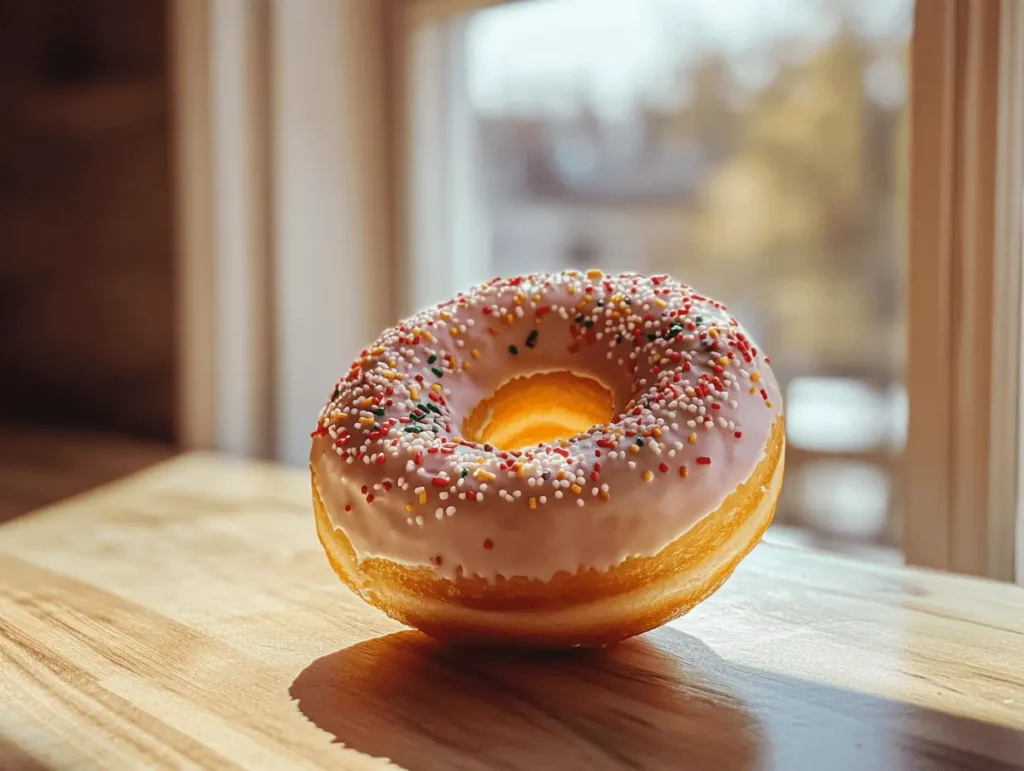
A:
(704, 460)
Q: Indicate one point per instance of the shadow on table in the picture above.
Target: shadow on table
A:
(661, 702)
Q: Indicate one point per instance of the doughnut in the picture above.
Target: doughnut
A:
(547, 461)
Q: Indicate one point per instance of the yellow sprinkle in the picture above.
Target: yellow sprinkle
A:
(768, 404)
(390, 375)
(560, 475)
(446, 316)
(509, 318)
(756, 376)
(409, 507)
(520, 297)
(572, 289)
(533, 502)
(753, 390)
(414, 393)
(391, 362)
(427, 336)
(337, 415)
(683, 471)
(377, 351)
(604, 495)
(519, 471)
(476, 354)
(648, 476)
(576, 489)
(367, 402)
(366, 421)
(655, 431)
(454, 332)
(436, 388)
(423, 497)
(536, 298)
(713, 333)
(594, 274)
(661, 303)
(692, 439)
(483, 476)
(634, 448)
(465, 365)
(724, 361)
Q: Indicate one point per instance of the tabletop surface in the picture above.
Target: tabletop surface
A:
(186, 617)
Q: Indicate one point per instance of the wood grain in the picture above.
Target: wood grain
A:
(186, 618)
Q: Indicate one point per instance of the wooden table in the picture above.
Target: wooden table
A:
(186, 617)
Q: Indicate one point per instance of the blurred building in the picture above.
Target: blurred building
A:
(780, 193)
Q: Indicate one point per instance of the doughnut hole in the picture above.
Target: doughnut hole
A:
(533, 409)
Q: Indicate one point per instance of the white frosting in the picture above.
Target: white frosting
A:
(470, 514)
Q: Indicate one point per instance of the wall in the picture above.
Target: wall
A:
(86, 270)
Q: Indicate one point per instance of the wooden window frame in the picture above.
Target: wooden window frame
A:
(964, 289)
(274, 298)
(285, 212)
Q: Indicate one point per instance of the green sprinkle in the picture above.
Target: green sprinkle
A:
(379, 411)
(588, 323)
(465, 473)
(336, 394)
(639, 442)
(412, 429)
(532, 339)
(434, 408)
(437, 372)
(432, 359)
(513, 350)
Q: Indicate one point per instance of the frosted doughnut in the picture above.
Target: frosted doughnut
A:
(550, 460)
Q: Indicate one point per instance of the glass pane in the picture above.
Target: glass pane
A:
(754, 149)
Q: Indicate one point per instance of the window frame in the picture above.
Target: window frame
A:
(963, 508)
(964, 289)
(282, 157)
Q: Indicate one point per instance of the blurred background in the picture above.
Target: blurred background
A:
(756, 149)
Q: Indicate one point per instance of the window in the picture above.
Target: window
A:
(762, 150)
(758, 153)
